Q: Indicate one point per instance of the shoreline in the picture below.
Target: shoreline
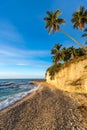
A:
(23, 98)
(45, 108)
(32, 82)
(12, 102)
(40, 84)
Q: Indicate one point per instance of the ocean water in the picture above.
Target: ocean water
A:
(12, 90)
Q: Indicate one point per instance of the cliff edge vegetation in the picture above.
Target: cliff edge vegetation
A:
(70, 76)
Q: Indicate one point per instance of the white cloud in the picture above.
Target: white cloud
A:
(21, 64)
(18, 57)
(15, 52)
(17, 62)
(34, 63)
(8, 31)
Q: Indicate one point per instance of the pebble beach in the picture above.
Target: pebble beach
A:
(48, 108)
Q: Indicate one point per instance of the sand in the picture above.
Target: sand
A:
(48, 108)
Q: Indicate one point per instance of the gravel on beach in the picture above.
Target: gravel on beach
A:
(47, 109)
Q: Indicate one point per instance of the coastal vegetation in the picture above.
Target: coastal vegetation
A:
(79, 20)
(61, 56)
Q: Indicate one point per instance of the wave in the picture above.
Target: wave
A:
(16, 97)
(14, 84)
(6, 83)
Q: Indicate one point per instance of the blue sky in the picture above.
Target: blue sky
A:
(24, 42)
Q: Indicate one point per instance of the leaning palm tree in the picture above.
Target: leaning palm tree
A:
(79, 18)
(52, 23)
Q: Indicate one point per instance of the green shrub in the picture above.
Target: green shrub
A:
(57, 67)
(53, 69)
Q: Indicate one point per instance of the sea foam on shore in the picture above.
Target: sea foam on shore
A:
(14, 92)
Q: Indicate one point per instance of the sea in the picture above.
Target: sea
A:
(12, 90)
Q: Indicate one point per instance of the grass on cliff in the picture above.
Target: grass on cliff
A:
(53, 69)
(57, 67)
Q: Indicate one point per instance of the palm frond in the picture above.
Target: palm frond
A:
(47, 24)
(85, 13)
(81, 10)
(57, 13)
(47, 19)
(85, 30)
(61, 21)
(79, 18)
(49, 13)
(50, 29)
(55, 27)
(84, 35)
(53, 51)
(76, 26)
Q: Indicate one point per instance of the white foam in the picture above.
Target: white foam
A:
(13, 98)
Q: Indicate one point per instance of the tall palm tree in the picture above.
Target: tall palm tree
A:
(52, 23)
(56, 52)
(79, 18)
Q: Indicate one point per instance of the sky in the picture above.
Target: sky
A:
(24, 42)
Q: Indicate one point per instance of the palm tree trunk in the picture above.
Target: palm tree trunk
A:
(73, 39)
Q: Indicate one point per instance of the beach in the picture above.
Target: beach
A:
(47, 108)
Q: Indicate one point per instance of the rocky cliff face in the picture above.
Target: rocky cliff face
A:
(72, 77)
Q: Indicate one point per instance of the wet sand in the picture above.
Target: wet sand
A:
(48, 108)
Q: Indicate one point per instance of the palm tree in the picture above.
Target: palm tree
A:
(68, 53)
(72, 52)
(80, 52)
(65, 54)
(53, 22)
(56, 52)
(79, 18)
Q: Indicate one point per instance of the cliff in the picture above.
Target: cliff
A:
(72, 76)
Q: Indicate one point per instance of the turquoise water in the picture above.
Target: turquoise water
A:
(12, 90)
